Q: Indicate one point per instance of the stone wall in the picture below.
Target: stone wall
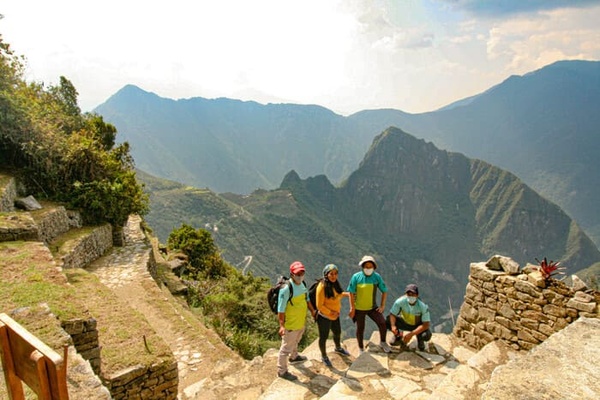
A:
(53, 222)
(84, 249)
(18, 226)
(8, 193)
(84, 334)
(517, 307)
(159, 381)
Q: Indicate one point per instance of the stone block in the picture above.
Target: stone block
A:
(578, 305)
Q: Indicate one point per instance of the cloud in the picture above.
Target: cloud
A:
(528, 43)
(505, 8)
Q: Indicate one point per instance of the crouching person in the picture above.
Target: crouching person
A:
(409, 313)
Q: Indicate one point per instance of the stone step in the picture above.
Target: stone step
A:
(447, 370)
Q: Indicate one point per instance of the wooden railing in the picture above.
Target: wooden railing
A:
(27, 359)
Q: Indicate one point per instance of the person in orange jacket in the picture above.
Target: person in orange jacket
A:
(329, 303)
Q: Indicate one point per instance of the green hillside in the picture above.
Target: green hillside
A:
(424, 213)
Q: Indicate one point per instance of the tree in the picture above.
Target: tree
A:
(201, 250)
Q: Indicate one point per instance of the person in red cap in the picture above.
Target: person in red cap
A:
(409, 313)
(291, 311)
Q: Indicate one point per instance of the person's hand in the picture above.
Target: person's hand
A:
(407, 337)
(335, 314)
(351, 313)
(281, 331)
(381, 309)
(395, 330)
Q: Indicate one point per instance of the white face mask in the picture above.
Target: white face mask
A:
(412, 300)
(298, 279)
(368, 271)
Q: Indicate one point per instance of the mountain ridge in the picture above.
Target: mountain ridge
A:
(424, 213)
(542, 126)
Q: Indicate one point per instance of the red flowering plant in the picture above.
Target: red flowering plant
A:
(549, 269)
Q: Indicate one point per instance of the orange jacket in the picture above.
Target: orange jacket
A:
(328, 307)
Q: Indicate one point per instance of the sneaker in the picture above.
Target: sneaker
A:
(421, 345)
(287, 376)
(342, 351)
(385, 347)
(326, 361)
(360, 351)
(298, 358)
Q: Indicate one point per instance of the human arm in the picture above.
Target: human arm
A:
(393, 324)
(381, 308)
(313, 312)
(352, 309)
(281, 323)
(419, 329)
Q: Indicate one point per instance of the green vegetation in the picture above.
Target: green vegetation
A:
(62, 154)
(232, 303)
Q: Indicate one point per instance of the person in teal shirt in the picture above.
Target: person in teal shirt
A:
(292, 304)
(363, 301)
(409, 313)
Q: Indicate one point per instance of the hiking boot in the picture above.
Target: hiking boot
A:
(385, 347)
(326, 361)
(298, 358)
(287, 376)
(342, 351)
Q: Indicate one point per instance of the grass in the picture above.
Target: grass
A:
(124, 333)
(30, 280)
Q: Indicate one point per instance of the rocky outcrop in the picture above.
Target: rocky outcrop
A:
(565, 366)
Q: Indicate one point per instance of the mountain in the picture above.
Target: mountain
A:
(542, 126)
(230, 145)
(424, 213)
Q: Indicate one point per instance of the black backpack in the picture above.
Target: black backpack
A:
(273, 292)
(312, 292)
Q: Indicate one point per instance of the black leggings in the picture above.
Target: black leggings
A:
(403, 326)
(359, 318)
(325, 324)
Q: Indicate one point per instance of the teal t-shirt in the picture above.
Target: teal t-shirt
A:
(365, 288)
(412, 315)
(295, 311)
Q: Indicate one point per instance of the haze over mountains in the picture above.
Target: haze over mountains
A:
(425, 214)
(543, 126)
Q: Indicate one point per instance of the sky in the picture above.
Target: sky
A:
(345, 55)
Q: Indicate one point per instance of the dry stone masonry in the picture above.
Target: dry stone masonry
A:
(518, 306)
(84, 334)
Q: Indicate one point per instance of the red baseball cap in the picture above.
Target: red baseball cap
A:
(296, 267)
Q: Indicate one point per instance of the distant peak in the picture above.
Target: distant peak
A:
(290, 180)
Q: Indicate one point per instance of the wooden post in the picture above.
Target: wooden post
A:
(26, 358)
(13, 383)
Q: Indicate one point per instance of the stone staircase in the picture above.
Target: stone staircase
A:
(179, 357)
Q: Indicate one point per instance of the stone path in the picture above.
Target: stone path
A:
(125, 271)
